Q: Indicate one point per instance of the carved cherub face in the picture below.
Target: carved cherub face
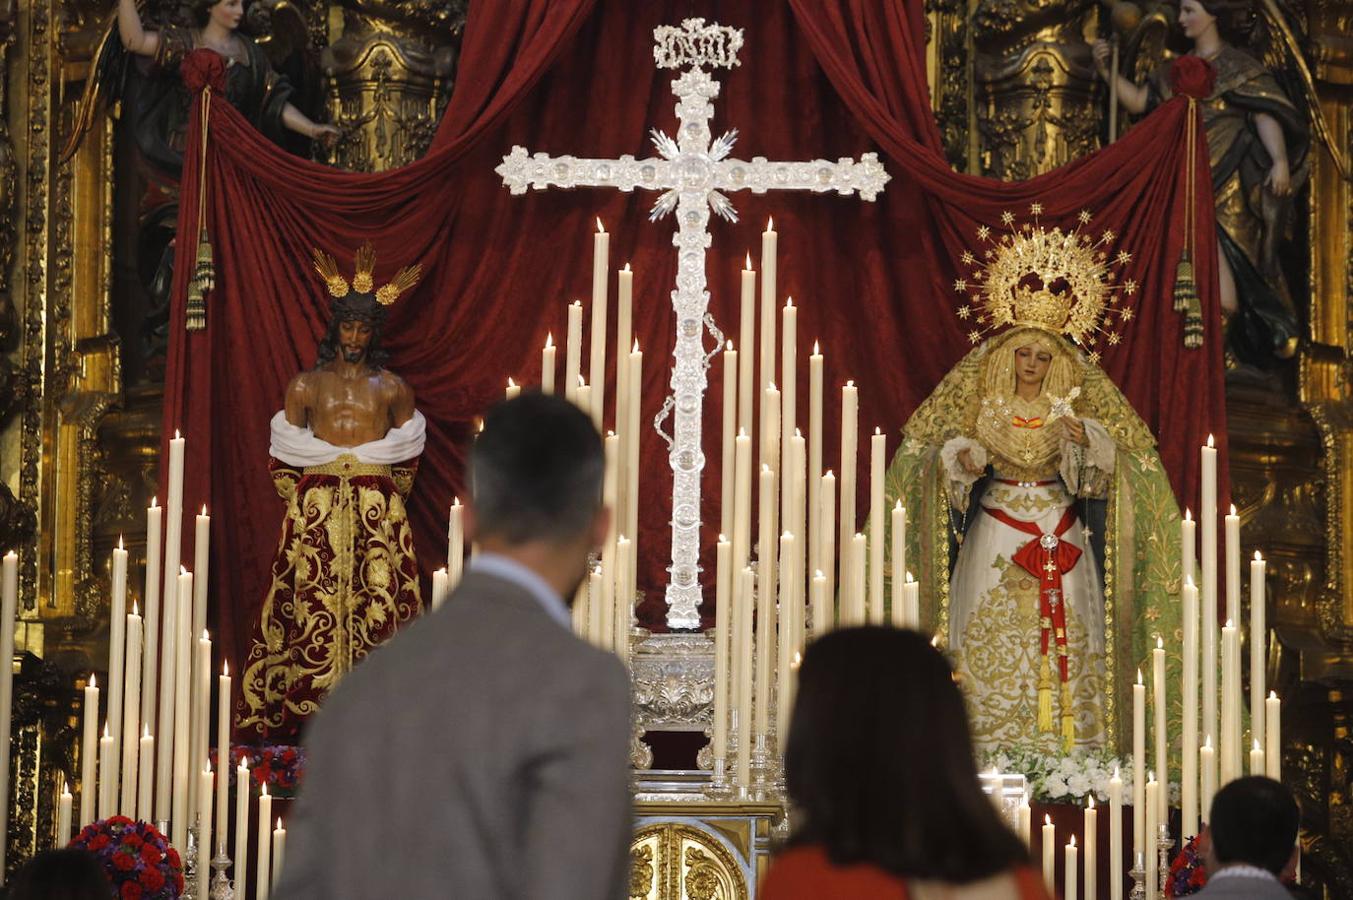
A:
(1195, 20)
(1031, 365)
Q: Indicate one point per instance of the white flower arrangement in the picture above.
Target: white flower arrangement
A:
(1071, 778)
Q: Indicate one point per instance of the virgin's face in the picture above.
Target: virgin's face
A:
(1194, 19)
(1031, 365)
(227, 14)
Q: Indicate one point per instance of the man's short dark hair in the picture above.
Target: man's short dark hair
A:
(536, 470)
(1254, 820)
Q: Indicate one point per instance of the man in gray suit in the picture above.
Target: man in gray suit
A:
(482, 753)
(1253, 830)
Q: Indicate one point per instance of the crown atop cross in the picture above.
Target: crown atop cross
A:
(696, 45)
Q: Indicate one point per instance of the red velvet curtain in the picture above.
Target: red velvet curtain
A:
(872, 280)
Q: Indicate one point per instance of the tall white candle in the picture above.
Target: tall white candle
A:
(788, 410)
(770, 446)
(222, 750)
(205, 789)
(877, 462)
(821, 612)
(1207, 763)
(573, 348)
(279, 849)
(1229, 762)
(182, 755)
(441, 587)
(1188, 763)
(1257, 766)
(635, 380)
(1091, 845)
(200, 707)
(746, 587)
(455, 544)
(1138, 765)
(727, 476)
(622, 600)
(723, 601)
(624, 334)
(785, 641)
(1152, 827)
(769, 240)
(765, 604)
(547, 364)
(1188, 547)
(1258, 645)
(107, 776)
(263, 881)
(858, 553)
(596, 597)
(512, 391)
(596, 369)
(151, 595)
(201, 562)
(815, 424)
(1049, 855)
(1025, 820)
(241, 855)
(131, 714)
(1273, 759)
(898, 565)
(850, 412)
(747, 390)
(1116, 869)
(145, 766)
(63, 816)
(742, 494)
(1208, 516)
(164, 765)
(911, 602)
(9, 606)
(1233, 565)
(827, 551)
(89, 748)
(117, 649)
(796, 525)
(611, 446)
(1158, 702)
(1072, 868)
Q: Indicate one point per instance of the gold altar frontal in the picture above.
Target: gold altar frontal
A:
(700, 850)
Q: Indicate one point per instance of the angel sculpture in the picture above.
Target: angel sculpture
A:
(1258, 142)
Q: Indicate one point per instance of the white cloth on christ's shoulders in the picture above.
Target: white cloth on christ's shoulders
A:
(298, 446)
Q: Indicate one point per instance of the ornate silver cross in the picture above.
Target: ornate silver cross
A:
(693, 172)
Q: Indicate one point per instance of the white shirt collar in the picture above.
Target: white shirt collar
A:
(1243, 870)
(524, 577)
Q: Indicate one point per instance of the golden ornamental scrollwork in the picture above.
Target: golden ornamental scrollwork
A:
(680, 861)
(641, 872)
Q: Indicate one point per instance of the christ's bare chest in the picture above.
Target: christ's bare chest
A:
(349, 411)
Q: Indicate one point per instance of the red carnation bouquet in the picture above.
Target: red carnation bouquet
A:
(137, 859)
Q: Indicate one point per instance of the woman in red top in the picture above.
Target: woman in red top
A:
(882, 782)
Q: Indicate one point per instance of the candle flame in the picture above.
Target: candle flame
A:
(1233, 509)
(1188, 515)
(742, 432)
(798, 434)
(225, 668)
(206, 636)
(1256, 744)
(770, 223)
(1047, 820)
(93, 680)
(636, 346)
(577, 303)
(1210, 441)
(850, 384)
(1258, 557)
(183, 570)
(1273, 695)
(909, 578)
(772, 387)
(723, 538)
(627, 267)
(1091, 802)
(816, 350)
(154, 502)
(828, 474)
(748, 267)
(1230, 624)
(1139, 675)
(441, 571)
(549, 340)
(1151, 775)
(1117, 772)
(1188, 582)
(798, 660)
(1160, 644)
(120, 544)
(106, 733)
(177, 436)
(765, 469)
(1073, 842)
(243, 767)
(279, 824)
(145, 732)
(601, 229)
(817, 573)
(510, 382)
(204, 509)
(935, 641)
(264, 792)
(877, 431)
(897, 505)
(455, 501)
(729, 346)
(136, 610)
(789, 303)
(65, 787)
(1207, 742)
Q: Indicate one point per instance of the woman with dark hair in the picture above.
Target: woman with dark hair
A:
(881, 778)
(70, 874)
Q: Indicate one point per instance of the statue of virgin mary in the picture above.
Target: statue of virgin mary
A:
(1045, 531)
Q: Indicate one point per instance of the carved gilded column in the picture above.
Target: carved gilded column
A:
(389, 77)
(1034, 83)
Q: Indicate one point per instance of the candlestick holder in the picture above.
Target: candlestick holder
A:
(1163, 845)
(1138, 875)
(761, 774)
(189, 891)
(220, 884)
(720, 785)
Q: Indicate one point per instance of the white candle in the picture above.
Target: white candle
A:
(746, 587)
(512, 391)
(9, 605)
(742, 494)
(858, 553)
(1049, 855)
(107, 777)
(727, 476)
(1233, 565)
(1026, 820)
(821, 612)
(205, 785)
(877, 462)
(222, 750)
(1188, 547)
(596, 369)
(1207, 763)
(1273, 737)
(635, 381)
(117, 649)
(263, 881)
(455, 544)
(241, 861)
(1072, 869)
(1257, 766)
(595, 599)
(279, 849)
(547, 365)
(770, 438)
(1116, 870)
(1258, 646)
(89, 748)
(573, 348)
(827, 551)
(796, 524)
(145, 774)
(898, 565)
(201, 713)
(1158, 702)
(624, 334)
(1138, 765)
(769, 241)
(785, 641)
(747, 338)
(171, 626)
(151, 592)
(131, 714)
(850, 411)
(623, 599)
(201, 677)
(611, 447)
(723, 601)
(1152, 827)
(1188, 779)
(63, 816)
(441, 587)
(183, 653)
(814, 534)
(1208, 515)
(1229, 748)
(765, 604)
(1091, 844)
(911, 602)
(788, 414)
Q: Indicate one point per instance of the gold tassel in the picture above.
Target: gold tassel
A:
(1068, 722)
(1184, 287)
(1045, 696)
(201, 283)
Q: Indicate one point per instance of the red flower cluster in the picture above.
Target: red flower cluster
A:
(137, 859)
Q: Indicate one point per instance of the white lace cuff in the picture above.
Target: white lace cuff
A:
(960, 479)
